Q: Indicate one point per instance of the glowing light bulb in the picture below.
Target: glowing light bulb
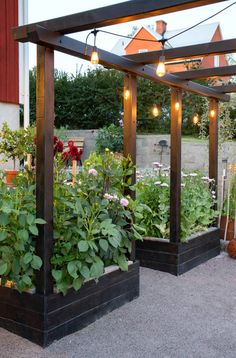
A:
(155, 111)
(126, 94)
(195, 119)
(177, 106)
(161, 68)
(94, 57)
(212, 113)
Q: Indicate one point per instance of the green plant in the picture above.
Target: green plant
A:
(110, 137)
(93, 221)
(18, 232)
(197, 202)
(229, 205)
(16, 144)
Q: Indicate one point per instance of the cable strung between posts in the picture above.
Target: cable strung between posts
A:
(170, 38)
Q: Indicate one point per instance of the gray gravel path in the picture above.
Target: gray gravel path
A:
(190, 316)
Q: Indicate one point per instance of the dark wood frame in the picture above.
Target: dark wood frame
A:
(44, 315)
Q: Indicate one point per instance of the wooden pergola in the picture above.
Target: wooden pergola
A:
(49, 36)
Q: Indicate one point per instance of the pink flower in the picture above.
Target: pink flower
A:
(124, 202)
(93, 172)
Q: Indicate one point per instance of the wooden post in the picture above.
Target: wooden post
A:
(44, 165)
(130, 120)
(175, 164)
(213, 141)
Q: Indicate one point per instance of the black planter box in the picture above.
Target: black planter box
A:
(43, 319)
(178, 258)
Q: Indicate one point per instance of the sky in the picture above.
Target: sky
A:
(47, 9)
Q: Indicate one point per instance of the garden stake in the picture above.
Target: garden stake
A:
(74, 171)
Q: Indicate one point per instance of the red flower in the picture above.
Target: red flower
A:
(55, 139)
(73, 151)
(81, 151)
(70, 143)
(78, 157)
(65, 156)
(59, 147)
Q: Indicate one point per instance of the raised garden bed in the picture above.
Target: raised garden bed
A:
(43, 319)
(178, 258)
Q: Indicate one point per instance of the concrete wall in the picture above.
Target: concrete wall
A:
(194, 152)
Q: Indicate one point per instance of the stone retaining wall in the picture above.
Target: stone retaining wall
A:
(194, 153)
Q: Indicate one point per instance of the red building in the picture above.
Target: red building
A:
(200, 34)
(9, 53)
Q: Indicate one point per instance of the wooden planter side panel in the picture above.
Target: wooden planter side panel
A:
(43, 319)
(180, 257)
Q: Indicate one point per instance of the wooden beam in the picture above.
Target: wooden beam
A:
(79, 49)
(44, 165)
(111, 15)
(207, 73)
(186, 52)
(231, 88)
(175, 164)
(130, 124)
(213, 141)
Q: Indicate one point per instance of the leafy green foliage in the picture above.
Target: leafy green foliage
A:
(16, 144)
(110, 137)
(92, 229)
(197, 200)
(18, 231)
(94, 99)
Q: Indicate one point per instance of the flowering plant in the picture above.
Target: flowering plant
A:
(73, 153)
(91, 229)
(197, 202)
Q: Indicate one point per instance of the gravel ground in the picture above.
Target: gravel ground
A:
(190, 316)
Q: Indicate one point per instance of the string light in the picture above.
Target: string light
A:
(161, 68)
(177, 106)
(126, 93)
(195, 119)
(94, 56)
(155, 111)
(212, 113)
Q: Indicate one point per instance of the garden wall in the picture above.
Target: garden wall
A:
(194, 152)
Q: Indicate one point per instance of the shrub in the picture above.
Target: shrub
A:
(110, 137)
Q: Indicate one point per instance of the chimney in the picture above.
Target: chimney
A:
(161, 27)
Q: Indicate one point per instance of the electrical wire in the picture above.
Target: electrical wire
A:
(170, 38)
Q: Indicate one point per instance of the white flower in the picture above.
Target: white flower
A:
(205, 178)
(157, 183)
(164, 185)
(213, 197)
(184, 175)
(183, 185)
(193, 174)
(93, 172)
(213, 192)
(124, 202)
(157, 164)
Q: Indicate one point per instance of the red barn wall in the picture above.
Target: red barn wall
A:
(9, 55)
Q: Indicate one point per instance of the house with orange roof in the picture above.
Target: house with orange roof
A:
(152, 36)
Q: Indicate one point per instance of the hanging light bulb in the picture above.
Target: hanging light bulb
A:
(195, 119)
(155, 111)
(161, 68)
(177, 106)
(126, 93)
(212, 113)
(94, 56)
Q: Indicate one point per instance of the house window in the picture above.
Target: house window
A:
(216, 61)
(142, 50)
